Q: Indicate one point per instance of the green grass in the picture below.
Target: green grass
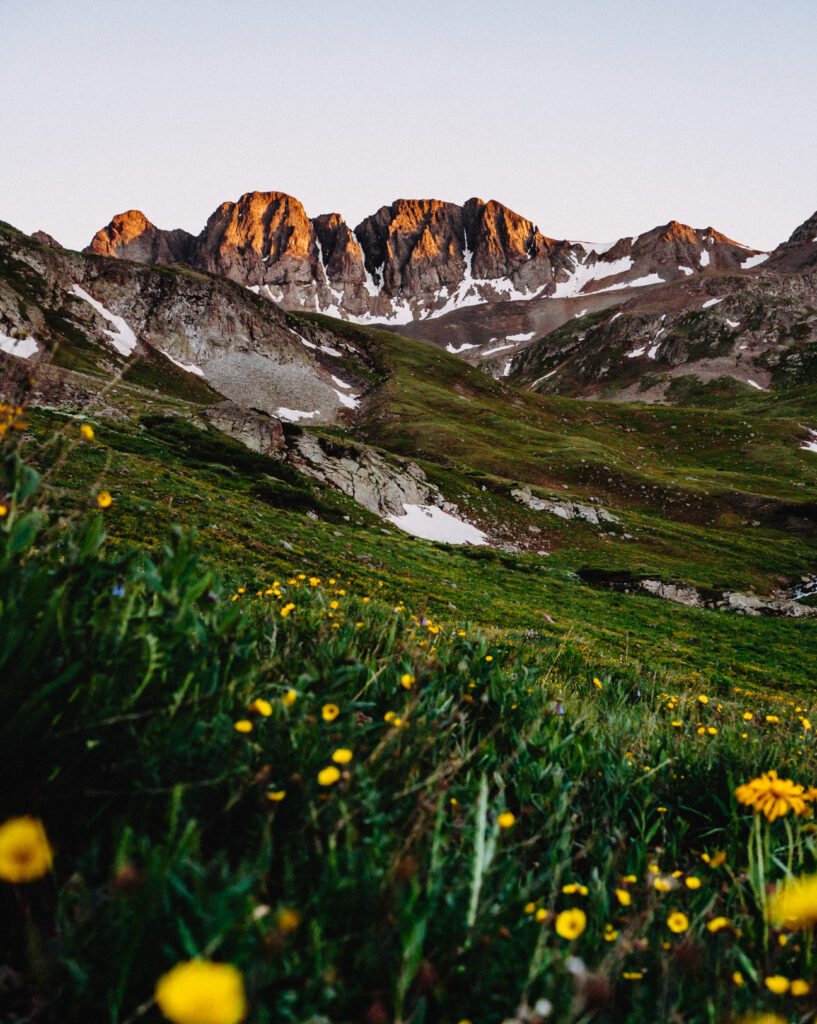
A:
(391, 893)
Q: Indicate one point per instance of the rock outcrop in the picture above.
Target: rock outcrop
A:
(592, 514)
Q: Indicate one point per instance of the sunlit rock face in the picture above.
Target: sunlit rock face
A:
(414, 260)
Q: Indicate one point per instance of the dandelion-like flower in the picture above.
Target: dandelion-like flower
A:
(407, 680)
(87, 432)
(623, 897)
(777, 984)
(342, 755)
(677, 922)
(506, 819)
(328, 776)
(202, 992)
(571, 923)
(793, 905)
(25, 853)
(329, 712)
(104, 499)
(772, 796)
(243, 725)
(263, 707)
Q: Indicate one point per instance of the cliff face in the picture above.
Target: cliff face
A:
(413, 260)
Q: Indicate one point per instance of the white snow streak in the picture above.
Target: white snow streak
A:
(122, 337)
(711, 302)
(431, 523)
(23, 348)
(293, 415)
(187, 367)
(754, 261)
(348, 400)
(754, 385)
(456, 351)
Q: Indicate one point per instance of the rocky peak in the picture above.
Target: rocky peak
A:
(799, 251)
(131, 236)
(43, 238)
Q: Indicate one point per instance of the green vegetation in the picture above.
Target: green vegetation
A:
(173, 736)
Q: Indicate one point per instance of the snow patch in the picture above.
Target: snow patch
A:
(456, 351)
(23, 348)
(754, 261)
(340, 383)
(431, 523)
(710, 303)
(122, 337)
(293, 415)
(636, 352)
(499, 348)
(751, 383)
(348, 400)
(810, 446)
(520, 337)
(507, 369)
(686, 270)
(704, 261)
(732, 323)
(187, 367)
(544, 378)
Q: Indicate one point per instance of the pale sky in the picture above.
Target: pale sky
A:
(593, 118)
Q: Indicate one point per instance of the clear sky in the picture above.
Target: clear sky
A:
(594, 118)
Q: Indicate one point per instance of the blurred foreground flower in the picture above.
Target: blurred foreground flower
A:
(202, 992)
(794, 903)
(25, 853)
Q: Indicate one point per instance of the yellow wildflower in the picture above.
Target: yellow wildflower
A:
(104, 499)
(597, 683)
(692, 882)
(737, 978)
(288, 920)
(541, 915)
(287, 608)
(777, 984)
(25, 853)
(772, 796)
(571, 923)
(623, 897)
(717, 924)
(328, 776)
(342, 755)
(244, 725)
(703, 699)
(290, 697)
(202, 992)
(276, 795)
(329, 712)
(506, 819)
(632, 975)
(407, 680)
(574, 887)
(263, 707)
(677, 922)
(799, 987)
(793, 905)
(530, 908)
(87, 432)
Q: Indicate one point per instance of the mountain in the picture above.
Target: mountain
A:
(415, 261)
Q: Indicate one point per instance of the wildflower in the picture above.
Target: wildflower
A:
(287, 608)
(276, 795)
(623, 897)
(574, 887)
(703, 699)
(747, 716)
(489, 657)
(692, 882)
(677, 922)
(610, 933)
(506, 819)
(597, 683)
(530, 908)
(3, 511)
(87, 432)
(662, 884)
(342, 755)
(799, 987)
(25, 853)
(288, 920)
(630, 879)
(712, 730)
(389, 716)
(202, 992)
(244, 725)
(737, 978)
(328, 776)
(772, 718)
(805, 723)
(717, 924)
(793, 905)
(407, 680)
(571, 923)
(541, 915)
(104, 499)
(263, 707)
(313, 581)
(676, 724)
(329, 712)
(632, 975)
(772, 796)
(777, 984)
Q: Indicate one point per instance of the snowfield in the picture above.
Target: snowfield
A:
(431, 523)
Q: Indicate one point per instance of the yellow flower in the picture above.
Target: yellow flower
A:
(571, 923)
(288, 920)
(87, 432)
(777, 984)
(737, 978)
(623, 897)
(677, 922)
(541, 915)
(703, 699)
(489, 657)
(328, 776)
(692, 882)
(342, 756)
(772, 796)
(793, 905)
(202, 992)
(597, 684)
(104, 499)
(799, 987)
(329, 712)
(407, 680)
(289, 698)
(632, 975)
(610, 933)
(389, 716)
(287, 608)
(245, 725)
(717, 924)
(662, 884)
(276, 795)
(313, 581)
(676, 724)
(3, 511)
(574, 887)
(530, 908)
(805, 723)
(747, 716)
(772, 718)
(25, 853)
(263, 707)
(506, 819)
